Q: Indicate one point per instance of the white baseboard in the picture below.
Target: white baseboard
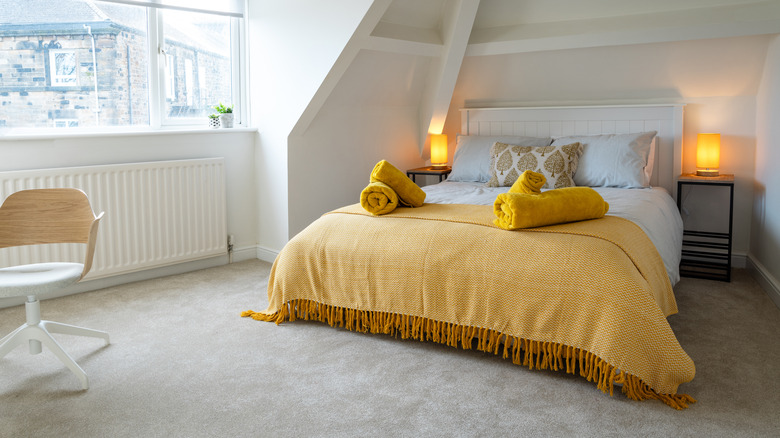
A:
(266, 254)
(239, 255)
(245, 253)
(147, 274)
(738, 260)
(765, 279)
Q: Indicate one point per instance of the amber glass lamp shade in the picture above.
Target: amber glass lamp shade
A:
(708, 155)
(438, 151)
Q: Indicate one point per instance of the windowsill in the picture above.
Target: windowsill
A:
(44, 134)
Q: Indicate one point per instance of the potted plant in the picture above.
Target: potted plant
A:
(225, 115)
(213, 121)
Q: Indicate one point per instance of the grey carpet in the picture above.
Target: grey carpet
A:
(182, 363)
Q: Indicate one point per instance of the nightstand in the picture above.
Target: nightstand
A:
(429, 171)
(707, 254)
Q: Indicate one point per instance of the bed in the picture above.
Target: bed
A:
(589, 298)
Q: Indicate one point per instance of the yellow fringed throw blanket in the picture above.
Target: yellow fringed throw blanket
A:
(378, 198)
(529, 182)
(521, 210)
(590, 298)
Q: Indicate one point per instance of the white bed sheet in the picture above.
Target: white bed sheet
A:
(652, 209)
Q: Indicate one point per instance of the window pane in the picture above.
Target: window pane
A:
(80, 64)
(198, 65)
(62, 65)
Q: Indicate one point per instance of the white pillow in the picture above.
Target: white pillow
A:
(613, 160)
(472, 154)
(650, 162)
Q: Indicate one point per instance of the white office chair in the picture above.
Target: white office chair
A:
(46, 216)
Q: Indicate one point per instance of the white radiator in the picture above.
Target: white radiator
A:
(157, 213)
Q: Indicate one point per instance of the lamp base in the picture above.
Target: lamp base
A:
(438, 166)
(707, 172)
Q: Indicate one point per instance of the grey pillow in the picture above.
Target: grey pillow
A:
(613, 160)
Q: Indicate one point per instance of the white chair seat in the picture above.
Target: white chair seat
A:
(38, 279)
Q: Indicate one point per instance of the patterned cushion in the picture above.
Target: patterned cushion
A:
(556, 163)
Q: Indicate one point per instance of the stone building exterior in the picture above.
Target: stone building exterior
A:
(49, 72)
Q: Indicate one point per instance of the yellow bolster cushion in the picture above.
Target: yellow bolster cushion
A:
(378, 198)
(520, 210)
(408, 192)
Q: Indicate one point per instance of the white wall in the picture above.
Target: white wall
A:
(765, 231)
(290, 54)
(734, 117)
(371, 115)
(717, 78)
(237, 147)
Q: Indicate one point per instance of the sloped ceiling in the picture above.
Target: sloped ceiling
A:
(447, 31)
(498, 13)
(517, 26)
(505, 20)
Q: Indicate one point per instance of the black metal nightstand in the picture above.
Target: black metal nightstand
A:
(707, 254)
(442, 173)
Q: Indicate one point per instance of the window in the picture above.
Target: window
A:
(196, 44)
(113, 63)
(66, 123)
(62, 67)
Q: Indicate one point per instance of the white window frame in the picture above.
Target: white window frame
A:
(58, 80)
(158, 92)
(157, 57)
(235, 9)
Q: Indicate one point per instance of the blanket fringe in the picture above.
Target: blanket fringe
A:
(532, 354)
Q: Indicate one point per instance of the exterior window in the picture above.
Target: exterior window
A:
(66, 123)
(196, 44)
(63, 67)
(87, 63)
(114, 63)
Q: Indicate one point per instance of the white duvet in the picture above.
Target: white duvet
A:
(652, 209)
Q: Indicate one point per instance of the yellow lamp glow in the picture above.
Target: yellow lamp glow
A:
(708, 155)
(438, 151)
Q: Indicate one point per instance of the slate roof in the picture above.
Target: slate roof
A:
(47, 17)
(15, 12)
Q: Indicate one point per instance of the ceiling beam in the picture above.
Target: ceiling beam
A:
(701, 23)
(457, 24)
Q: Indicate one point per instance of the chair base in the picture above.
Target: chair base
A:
(36, 332)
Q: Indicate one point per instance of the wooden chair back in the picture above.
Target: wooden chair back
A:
(46, 216)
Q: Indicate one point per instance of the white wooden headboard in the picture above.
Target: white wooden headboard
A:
(667, 120)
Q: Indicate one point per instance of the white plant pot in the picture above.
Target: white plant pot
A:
(226, 120)
(213, 123)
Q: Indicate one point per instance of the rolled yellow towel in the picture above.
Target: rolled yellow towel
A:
(529, 182)
(521, 210)
(408, 192)
(378, 198)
